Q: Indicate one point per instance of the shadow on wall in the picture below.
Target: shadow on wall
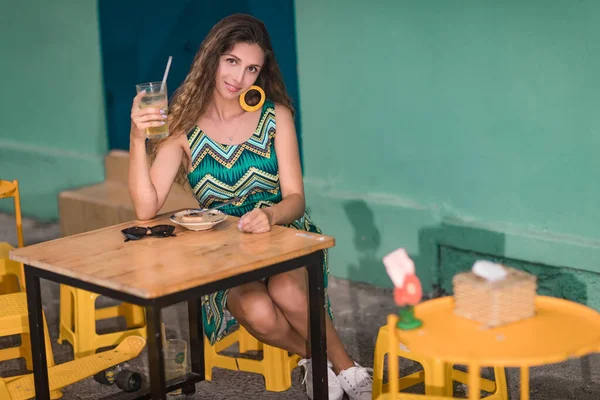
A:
(432, 241)
(448, 249)
(367, 242)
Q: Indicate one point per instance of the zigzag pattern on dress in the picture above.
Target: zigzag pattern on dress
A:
(227, 155)
(210, 189)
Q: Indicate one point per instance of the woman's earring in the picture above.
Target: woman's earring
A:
(253, 98)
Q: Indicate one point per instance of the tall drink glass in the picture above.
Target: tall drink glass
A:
(155, 98)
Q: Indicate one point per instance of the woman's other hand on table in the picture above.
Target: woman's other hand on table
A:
(256, 221)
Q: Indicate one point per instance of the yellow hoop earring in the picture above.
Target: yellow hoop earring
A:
(255, 107)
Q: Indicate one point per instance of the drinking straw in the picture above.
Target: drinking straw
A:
(164, 81)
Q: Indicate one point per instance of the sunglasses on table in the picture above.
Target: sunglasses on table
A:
(139, 232)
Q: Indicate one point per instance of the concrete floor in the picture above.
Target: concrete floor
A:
(360, 310)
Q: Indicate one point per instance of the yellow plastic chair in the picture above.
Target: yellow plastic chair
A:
(59, 376)
(78, 317)
(14, 320)
(11, 189)
(12, 278)
(437, 376)
(276, 365)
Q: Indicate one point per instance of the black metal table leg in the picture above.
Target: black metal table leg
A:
(317, 336)
(155, 353)
(36, 334)
(196, 336)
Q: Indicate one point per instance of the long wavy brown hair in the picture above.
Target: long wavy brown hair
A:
(191, 100)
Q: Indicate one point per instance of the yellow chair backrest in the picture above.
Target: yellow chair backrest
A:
(11, 189)
(12, 277)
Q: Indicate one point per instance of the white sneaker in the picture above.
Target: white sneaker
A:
(335, 390)
(357, 382)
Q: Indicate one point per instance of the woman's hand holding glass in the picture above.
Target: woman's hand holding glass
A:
(144, 118)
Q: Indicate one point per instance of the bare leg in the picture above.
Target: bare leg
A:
(289, 292)
(251, 306)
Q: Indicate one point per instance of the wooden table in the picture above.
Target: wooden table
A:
(158, 272)
(560, 330)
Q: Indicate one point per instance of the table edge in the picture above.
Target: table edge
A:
(143, 294)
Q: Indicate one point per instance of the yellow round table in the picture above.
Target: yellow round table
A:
(560, 330)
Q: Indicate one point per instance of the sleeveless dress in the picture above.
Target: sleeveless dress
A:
(249, 171)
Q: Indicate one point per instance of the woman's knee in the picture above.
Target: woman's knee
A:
(289, 292)
(254, 310)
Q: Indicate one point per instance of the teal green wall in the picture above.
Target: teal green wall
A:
(472, 125)
(458, 130)
(53, 135)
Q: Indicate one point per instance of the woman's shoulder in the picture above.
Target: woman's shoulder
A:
(182, 138)
(280, 109)
(175, 141)
(284, 120)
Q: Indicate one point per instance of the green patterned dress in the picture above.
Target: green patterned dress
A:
(249, 171)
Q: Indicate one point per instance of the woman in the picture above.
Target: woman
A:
(224, 151)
